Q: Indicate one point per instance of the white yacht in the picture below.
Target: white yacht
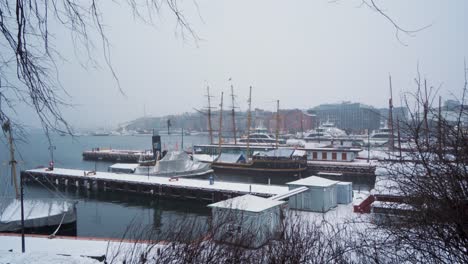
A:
(380, 137)
(326, 131)
(260, 135)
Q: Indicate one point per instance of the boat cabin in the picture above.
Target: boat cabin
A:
(332, 154)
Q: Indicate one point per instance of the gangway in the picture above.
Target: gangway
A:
(289, 193)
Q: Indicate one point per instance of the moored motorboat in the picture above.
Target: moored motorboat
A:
(41, 216)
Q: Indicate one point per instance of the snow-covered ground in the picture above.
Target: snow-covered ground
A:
(42, 258)
(40, 249)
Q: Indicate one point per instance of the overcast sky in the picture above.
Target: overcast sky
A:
(303, 53)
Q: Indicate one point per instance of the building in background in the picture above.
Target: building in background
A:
(399, 113)
(351, 117)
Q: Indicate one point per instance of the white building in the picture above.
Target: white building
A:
(320, 196)
(247, 220)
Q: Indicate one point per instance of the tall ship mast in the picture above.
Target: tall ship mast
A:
(210, 128)
(391, 140)
(220, 123)
(277, 122)
(233, 116)
(249, 120)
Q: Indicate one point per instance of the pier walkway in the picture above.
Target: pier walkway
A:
(152, 185)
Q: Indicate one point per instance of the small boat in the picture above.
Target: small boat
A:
(281, 161)
(100, 134)
(173, 164)
(41, 216)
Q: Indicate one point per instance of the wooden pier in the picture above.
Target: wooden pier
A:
(358, 172)
(151, 185)
(114, 155)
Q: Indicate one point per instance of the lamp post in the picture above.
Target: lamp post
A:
(22, 215)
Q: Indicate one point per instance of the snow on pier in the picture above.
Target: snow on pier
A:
(163, 186)
(115, 155)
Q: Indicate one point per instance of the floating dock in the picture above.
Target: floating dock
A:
(151, 185)
(116, 155)
(357, 171)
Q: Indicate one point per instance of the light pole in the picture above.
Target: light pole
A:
(22, 215)
(51, 149)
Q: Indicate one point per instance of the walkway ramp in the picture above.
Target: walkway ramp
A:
(289, 193)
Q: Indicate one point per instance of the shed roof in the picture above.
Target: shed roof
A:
(314, 181)
(230, 157)
(247, 202)
(281, 152)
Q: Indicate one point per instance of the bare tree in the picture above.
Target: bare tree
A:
(299, 241)
(430, 222)
(28, 70)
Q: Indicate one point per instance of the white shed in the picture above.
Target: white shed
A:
(344, 192)
(247, 220)
(321, 196)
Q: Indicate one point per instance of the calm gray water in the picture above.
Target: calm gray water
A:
(106, 214)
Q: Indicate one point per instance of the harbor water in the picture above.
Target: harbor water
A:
(109, 214)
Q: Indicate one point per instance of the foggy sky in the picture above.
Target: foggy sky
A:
(303, 53)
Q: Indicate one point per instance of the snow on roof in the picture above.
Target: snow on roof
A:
(344, 183)
(392, 205)
(229, 157)
(386, 186)
(329, 173)
(281, 152)
(312, 145)
(299, 152)
(130, 166)
(247, 202)
(314, 181)
(204, 157)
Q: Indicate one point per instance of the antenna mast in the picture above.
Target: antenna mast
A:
(233, 116)
(210, 129)
(249, 120)
(220, 123)
(277, 122)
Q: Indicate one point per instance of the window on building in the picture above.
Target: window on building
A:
(343, 156)
(324, 155)
(334, 156)
(314, 155)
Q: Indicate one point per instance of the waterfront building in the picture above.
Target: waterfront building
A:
(399, 113)
(352, 117)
